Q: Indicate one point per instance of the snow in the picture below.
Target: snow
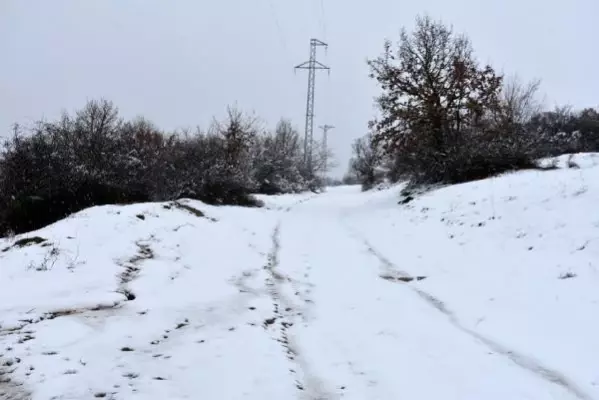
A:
(315, 296)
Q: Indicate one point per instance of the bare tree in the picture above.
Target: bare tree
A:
(445, 118)
(432, 87)
(518, 102)
(366, 161)
(98, 118)
(323, 160)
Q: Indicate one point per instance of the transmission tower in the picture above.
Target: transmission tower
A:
(312, 65)
(325, 149)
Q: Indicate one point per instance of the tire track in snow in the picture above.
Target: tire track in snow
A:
(311, 387)
(389, 269)
(526, 362)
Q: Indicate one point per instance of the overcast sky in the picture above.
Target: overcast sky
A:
(180, 62)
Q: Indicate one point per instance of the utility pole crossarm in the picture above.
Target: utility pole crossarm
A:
(309, 65)
(318, 42)
(305, 65)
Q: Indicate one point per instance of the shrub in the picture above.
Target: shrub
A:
(93, 157)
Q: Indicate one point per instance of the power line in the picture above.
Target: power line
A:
(323, 20)
(312, 65)
(280, 32)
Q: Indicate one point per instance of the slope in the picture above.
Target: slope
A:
(479, 291)
(145, 301)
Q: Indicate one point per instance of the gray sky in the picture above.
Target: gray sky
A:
(180, 62)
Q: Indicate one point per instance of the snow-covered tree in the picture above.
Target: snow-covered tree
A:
(278, 160)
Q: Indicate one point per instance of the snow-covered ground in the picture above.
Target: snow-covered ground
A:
(486, 290)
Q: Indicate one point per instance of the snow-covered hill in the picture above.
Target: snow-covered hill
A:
(487, 290)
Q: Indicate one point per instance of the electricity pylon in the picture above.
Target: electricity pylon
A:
(311, 65)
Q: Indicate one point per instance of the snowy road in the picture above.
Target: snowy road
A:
(342, 295)
(357, 334)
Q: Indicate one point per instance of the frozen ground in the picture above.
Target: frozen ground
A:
(486, 290)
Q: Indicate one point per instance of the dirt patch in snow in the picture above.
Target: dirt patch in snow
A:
(189, 209)
(28, 241)
(132, 269)
(50, 315)
(392, 278)
(10, 389)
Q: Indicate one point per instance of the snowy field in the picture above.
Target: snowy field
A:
(487, 290)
